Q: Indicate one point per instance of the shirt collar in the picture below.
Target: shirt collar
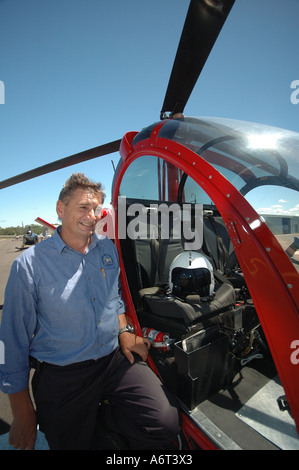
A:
(60, 244)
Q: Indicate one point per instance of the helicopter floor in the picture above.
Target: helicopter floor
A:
(249, 413)
(262, 414)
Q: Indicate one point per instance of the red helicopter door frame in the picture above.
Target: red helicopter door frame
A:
(271, 279)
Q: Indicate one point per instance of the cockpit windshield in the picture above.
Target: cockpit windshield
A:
(262, 163)
(247, 154)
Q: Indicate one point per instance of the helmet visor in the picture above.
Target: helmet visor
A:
(191, 281)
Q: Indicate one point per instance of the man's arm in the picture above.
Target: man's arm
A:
(22, 433)
(129, 342)
(17, 328)
(18, 324)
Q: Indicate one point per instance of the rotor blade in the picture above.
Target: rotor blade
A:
(203, 24)
(95, 152)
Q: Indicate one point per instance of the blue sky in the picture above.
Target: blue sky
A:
(80, 73)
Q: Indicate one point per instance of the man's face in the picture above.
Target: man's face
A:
(81, 214)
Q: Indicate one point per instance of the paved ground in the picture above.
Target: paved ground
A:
(9, 249)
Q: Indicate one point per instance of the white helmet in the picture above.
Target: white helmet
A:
(191, 273)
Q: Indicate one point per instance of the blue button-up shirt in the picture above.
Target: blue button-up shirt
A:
(60, 307)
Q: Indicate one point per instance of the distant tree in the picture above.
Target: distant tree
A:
(18, 230)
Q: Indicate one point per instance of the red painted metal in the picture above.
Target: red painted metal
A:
(45, 223)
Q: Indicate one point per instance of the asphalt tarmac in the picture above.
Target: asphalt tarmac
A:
(10, 248)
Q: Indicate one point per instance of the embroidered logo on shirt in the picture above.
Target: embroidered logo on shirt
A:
(107, 260)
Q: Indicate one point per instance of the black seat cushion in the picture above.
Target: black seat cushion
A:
(190, 310)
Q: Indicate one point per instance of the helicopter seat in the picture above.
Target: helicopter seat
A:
(216, 241)
(161, 309)
(148, 275)
(192, 308)
(154, 254)
(218, 247)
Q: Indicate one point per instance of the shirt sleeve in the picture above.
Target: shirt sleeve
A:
(121, 306)
(17, 328)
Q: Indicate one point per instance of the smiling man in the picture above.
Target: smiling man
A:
(64, 316)
(79, 208)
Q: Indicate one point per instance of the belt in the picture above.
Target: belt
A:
(38, 365)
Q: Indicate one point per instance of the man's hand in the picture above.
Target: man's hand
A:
(132, 343)
(22, 434)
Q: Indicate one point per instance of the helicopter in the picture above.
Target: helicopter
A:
(230, 353)
(30, 238)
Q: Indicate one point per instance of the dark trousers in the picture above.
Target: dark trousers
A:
(67, 400)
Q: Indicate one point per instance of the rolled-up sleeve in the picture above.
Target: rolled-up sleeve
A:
(17, 328)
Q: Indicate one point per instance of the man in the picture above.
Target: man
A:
(63, 315)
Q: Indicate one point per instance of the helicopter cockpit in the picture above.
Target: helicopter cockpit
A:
(171, 176)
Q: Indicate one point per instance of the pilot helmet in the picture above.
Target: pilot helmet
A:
(191, 273)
